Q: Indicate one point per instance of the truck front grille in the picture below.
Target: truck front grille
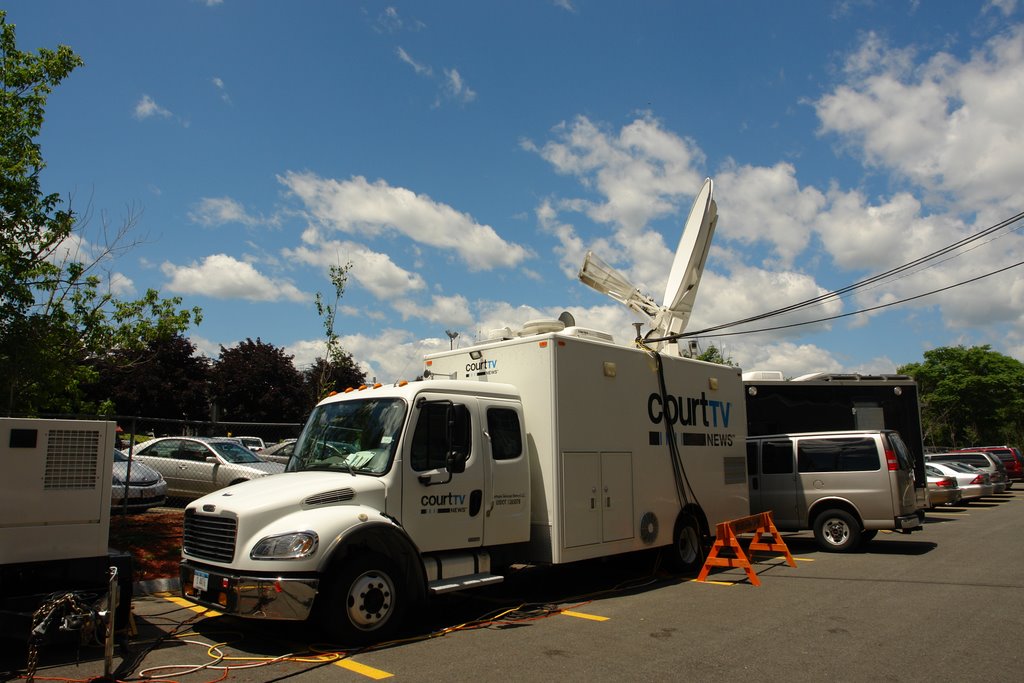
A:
(208, 537)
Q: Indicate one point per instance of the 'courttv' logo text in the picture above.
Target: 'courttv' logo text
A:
(688, 411)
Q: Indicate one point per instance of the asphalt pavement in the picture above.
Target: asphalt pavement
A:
(943, 603)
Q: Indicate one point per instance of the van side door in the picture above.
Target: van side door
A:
(777, 483)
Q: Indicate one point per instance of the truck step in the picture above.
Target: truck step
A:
(457, 583)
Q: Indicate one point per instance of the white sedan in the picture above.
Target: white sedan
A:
(974, 483)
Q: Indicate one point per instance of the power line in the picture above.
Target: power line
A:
(863, 310)
(858, 285)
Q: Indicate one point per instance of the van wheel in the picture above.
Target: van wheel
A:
(867, 536)
(836, 531)
(686, 554)
(364, 602)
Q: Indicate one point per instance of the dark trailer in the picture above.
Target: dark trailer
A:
(829, 402)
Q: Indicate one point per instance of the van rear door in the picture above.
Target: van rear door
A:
(902, 477)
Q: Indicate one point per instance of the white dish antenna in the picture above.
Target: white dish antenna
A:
(673, 314)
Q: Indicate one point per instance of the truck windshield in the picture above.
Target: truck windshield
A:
(350, 436)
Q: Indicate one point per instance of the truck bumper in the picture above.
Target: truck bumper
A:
(251, 597)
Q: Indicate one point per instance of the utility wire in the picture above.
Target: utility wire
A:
(857, 285)
(846, 315)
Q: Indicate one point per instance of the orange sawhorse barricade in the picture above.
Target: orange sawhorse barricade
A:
(726, 533)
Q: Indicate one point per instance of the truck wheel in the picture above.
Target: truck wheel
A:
(364, 602)
(836, 531)
(686, 554)
(867, 536)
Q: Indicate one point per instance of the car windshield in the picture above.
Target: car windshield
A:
(350, 436)
(233, 452)
(962, 467)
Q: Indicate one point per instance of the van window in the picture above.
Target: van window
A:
(902, 452)
(777, 457)
(858, 454)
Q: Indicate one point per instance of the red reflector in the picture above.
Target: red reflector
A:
(891, 462)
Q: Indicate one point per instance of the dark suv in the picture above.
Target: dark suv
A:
(1010, 457)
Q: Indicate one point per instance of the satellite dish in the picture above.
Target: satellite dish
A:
(567, 319)
(673, 314)
(688, 266)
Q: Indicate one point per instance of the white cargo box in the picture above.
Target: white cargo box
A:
(55, 502)
(603, 480)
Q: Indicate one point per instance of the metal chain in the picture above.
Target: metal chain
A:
(84, 620)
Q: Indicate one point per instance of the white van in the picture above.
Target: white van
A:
(843, 485)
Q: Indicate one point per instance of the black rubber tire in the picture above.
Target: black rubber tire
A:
(364, 602)
(836, 531)
(686, 554)
(867, 536)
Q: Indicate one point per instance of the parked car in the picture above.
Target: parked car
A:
(253, 443)
(974, 484)
(279, 452)
(942, 488)
(1010, 458)
(194, 466)
(983, 461)
(145, 489)
(845, 486)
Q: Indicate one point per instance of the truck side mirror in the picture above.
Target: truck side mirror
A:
(455, 462)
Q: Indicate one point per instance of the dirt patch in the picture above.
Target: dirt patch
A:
(154, 540)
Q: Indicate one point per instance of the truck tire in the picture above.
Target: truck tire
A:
(364, 601)
(686, 554)
(836, 531)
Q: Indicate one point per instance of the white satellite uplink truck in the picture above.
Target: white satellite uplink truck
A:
(546, 445)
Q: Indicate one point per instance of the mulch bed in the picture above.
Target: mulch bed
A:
(154, 540)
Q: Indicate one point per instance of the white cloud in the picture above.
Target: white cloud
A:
(213, 211)
(222, 277)
(373, 270)
(371, 209)
(445, 311)
(766, 204)
(420, 69)
(147, 107)
(456, 88)
(949, 127)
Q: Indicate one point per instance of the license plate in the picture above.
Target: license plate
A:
(201, 580)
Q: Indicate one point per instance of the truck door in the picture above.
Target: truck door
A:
(442, 509)
(507, 477)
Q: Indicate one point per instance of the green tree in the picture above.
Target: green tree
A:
(969, 396)
(56, 311)
(714, 355)
(257, 382)
(166, 379)
(337, 366)
(323, 378)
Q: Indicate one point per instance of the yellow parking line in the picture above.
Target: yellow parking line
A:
(182, 602)
(715, 583)
(803, 559)
(368, 671)
(582, 615)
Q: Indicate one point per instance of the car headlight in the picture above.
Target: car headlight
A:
(293, 546)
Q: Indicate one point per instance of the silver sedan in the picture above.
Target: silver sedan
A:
(194, 466)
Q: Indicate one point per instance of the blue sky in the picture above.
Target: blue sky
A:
(464, 156)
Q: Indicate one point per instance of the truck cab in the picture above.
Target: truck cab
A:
(393, 493)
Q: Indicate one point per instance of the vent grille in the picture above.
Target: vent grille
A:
(208, 537)
(328, 497)
(71, 459)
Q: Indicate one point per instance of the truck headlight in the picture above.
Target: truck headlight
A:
(293, 546)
